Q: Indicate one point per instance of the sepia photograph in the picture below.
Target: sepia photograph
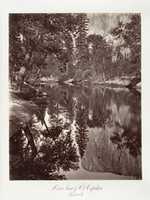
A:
(75, 96)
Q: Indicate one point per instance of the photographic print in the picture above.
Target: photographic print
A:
(75, 96)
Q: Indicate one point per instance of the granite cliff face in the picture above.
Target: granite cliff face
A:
(103, 23)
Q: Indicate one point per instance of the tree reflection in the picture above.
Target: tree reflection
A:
(55, 152)
(120, 111)
(130, 138)
(44, 148)
(81, 125)
(100, 113)
(127, 134)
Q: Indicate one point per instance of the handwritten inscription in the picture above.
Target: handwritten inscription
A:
(76, 190)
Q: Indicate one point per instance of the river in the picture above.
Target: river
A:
(79, 133)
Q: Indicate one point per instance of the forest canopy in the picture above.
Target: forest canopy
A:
(61, 46)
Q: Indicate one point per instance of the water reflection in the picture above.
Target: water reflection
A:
(75, 132)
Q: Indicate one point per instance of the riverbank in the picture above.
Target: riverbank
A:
(120, 82)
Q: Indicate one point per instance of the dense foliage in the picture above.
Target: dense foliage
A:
(59, 46)
(130, 34)
(45, 41)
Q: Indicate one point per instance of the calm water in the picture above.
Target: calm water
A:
(78, 133)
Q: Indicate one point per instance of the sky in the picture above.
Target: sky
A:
(103, 23)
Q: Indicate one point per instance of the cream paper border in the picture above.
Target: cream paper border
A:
(119, 189)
